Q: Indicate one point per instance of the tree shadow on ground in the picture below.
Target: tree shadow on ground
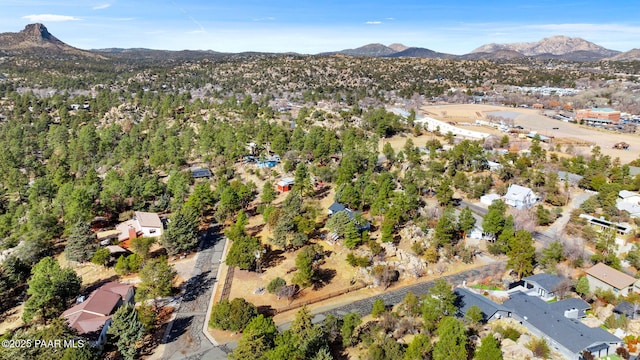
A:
(273, 258)
(179, 327)
(196, 286)
(324, 277)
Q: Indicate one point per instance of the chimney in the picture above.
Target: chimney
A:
(132, 233)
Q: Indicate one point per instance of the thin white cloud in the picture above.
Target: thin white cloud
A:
(373, 22)
(49, 18)
(587, 27)
(101, 6)
(268, 18)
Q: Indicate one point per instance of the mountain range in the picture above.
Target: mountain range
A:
(36, 39)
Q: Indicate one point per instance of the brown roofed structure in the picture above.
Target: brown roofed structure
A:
(611, 276)
(147, 219)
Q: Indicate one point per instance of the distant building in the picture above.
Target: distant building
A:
(602, 224)
(520, 197)
(629, 201)
(489, 199)
(200, 173)
(598, 116)
(285, 184)
(604, 277)
(574, 179)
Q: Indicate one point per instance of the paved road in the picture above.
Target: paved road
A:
(185, 338)
(395, 296)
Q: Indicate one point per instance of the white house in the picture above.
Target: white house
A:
(629, 201)
(489, 199)
(143, 224)
(520, 197)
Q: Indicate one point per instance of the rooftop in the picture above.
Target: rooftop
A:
(467, 298)
(147, 219)
(550, 320)
(611, 276)
(546, 281)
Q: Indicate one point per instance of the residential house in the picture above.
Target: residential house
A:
(573, 179)
(285, 184)
(631, 311)
(602, 224)
(543, 285)
(336, 207)
(199, 173)
(91, 317)
(629, 201)
(604, 277)
(490, 310)
(520, 197)
(489, 199)
(143, 224)
(494, 166)
(559, 325)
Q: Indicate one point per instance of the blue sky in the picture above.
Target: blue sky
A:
(455, 27)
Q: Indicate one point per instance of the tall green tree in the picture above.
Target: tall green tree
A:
(521, 253)
(156, 279)
(349, 323)
(257, 338)
(242, 252)
(439, 302)
(51, 288)
(182, 232)
(466, 221)
(418, 348)
(582, 286)
(81, 243)
(452, 340)
(232, 315)
(489, 349)
(305, 275)
(127, 331)
(268, 193)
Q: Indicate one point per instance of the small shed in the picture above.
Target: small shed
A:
(285, 184)
(200, 173)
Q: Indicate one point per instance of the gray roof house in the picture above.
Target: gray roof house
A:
(490, 310)
(628, 309)
(558, 323)
(520, 197)
(544, 285)
(573, 179)
(336, 207)
(629, 201)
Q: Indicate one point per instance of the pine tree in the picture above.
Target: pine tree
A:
(489, 349)
(182, 232)
(50, 290)
(127, 330)
(452, 340)
(81, 243)
(157, 279)
(582, 287)
(521, 253)
(466, 221)
(352, 237)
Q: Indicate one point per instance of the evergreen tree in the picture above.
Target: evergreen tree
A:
(437, 303)
(466, 221)
(127, 330)
(418, 348)
(349, 323)
(242, 252)
(452, 340)
(156, 279)
(304, 263)
(352, 237)
(81, 243)
(521, 253)
(50, 290)
(268, 193)
(378, 308)
(257, 338)
(489, 349)
(182, 231)
(582, 286)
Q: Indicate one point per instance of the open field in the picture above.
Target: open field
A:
(532, 120)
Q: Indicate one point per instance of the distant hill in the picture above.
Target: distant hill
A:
(372, 50)
(495, 55)
(631, 55)
(558, 47)
(417, 52)
(35, 39)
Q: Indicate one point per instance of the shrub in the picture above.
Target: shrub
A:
(540, 348)
(377, 308)
(101, 256)
(275, 285)
(508, 333)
